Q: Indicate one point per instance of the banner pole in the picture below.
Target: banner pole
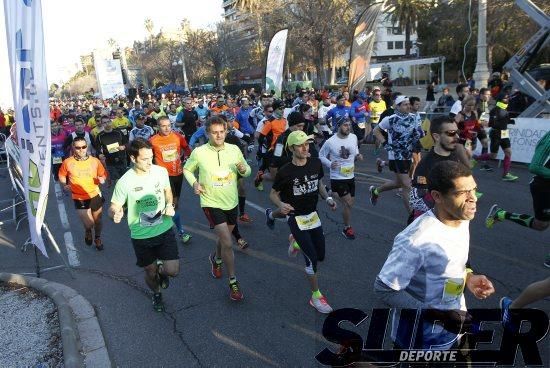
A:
(36, 263)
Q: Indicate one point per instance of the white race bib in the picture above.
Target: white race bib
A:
(150, 218)
(504, 134)
(347, 170)
(278, 150)
(361, 125)
(112, 148)
(308, 222)
(221, 178)
(57, 160)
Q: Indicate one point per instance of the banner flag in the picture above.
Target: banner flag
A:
(275, 62)
(361, 47)
(25, 39)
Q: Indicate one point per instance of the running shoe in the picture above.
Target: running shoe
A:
(268, 221)
(373, 196)
(88, 237)
(320, 304)
(473, 163)
(379, 165)
(98, 244)
(348, 233)
(486, 168)
(260, 187)
(507, 315)
(164, 281)
(478, 195)
(258, 179)
(158, 304)
(185, 237)
(235, 292)
(243, 244)
(216, 268)
(293, 247)
(245, 218)
(492, 216)
(547, 261)
(510, 177)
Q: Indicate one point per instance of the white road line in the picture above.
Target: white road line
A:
(255, 206)
(371, 176)
(72, 253)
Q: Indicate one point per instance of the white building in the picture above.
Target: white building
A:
(390, 41)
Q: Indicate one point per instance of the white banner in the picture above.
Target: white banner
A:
(109, 74)
(275, 62)
(524, 136)
(25, 41)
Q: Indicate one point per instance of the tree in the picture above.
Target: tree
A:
(149, 26)
(405, 15)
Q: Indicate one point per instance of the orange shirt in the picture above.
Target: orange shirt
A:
(276, 127)
(83, 176)
(167, 151)
(215, 110)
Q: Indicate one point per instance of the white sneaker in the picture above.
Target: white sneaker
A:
(320, 304)
(292, 251)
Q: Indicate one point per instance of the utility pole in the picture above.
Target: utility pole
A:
(481, 74)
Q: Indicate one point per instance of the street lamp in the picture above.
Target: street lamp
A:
(481, 74)
(182, 63)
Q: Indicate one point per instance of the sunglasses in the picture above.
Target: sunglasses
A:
(80, 147)
(451, 133)
(268, 110)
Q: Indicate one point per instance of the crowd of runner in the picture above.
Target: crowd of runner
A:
(143, 152)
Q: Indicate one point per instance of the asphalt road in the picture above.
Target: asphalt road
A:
(274, 325)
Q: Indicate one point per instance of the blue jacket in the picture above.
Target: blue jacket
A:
(336, 114)
(357, 111)
(200, 133)
(243, 117)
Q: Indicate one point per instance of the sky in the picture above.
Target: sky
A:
(75, 27)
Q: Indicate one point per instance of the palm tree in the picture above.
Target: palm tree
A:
(149, 27)
(248, 5)
(405, 14)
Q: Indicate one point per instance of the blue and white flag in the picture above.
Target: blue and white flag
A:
(25, 39)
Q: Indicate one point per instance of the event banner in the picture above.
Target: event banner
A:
(361, 47)
(109, 74)
(275, 62)
(25, 41)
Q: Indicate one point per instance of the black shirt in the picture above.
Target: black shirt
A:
(188, 122)
(426, 165)
(299, 185)
(109, 141)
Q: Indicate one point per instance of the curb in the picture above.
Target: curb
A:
(83, 342)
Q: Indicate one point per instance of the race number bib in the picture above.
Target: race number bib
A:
(221, 179)
(468, 144)
(361, 125)
(278, 150)
(308, 222)
(346, 170)
(57, 160)
(112, 148)
(169, 155)
(504, 134)
(452, 290)
(150, 218)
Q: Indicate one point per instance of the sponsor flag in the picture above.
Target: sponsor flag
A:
(361, 47)
(25, 41)
(275, 62)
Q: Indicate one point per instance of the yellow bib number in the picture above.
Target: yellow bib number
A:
(346, 170)
(221, 179)
(504, 134)
(308, 222)
(169, 155)
(112, 148)
(453, 289)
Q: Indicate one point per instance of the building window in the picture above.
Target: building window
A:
(390, 45)
(389, 31)
(397, 31)
(399, 44)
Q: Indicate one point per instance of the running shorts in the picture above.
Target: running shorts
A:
(216, 216)
(94, 203)
(343, 186)
(400, 166)
(163, 247)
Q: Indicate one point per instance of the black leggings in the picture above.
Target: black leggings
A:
(311, 242)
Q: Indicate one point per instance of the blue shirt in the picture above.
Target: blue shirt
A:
(243, 117)
(202, 112)
(336, 114)
(200, 133)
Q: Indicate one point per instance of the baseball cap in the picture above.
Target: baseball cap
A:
(297, 138)
(401, 99)
(278, 104)
(140, 115)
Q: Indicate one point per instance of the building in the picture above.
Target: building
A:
(390, 40)
(240, 23)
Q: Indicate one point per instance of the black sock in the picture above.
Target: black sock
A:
(523, 220)
(484, 150)
(236, 233)
(242, 202)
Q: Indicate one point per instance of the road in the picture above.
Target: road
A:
(274, 325)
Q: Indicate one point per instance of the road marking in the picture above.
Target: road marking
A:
(373, 177)
(245, 349)
(72, 253)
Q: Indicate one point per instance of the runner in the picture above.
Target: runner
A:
(149, 212)
(339, 154)
(187, 119)
(168, 147)
(219, 164)
(111, 146)
(295, 192)
(377, 107)
(427, 266)
(140, 130)
(403, 134)
(57, 142)
(80, 174)
(359, 113)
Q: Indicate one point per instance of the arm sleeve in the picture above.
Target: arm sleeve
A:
(419, 201)
(63, 170)
(323, 154)
(190, 167)
(119, 194)
(242, 160)
(385, 123)
(101, 172)
(394, 298)
(184, 145)
(402, 263)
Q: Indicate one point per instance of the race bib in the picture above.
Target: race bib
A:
(278, 150)
(504, 134)
(346, 170)
(151, 218)
(169, 155)
(112, 148)
(308, 222)
(221, 179)
(57, 160)
(361, 125)
(452, 290)
(468, 144)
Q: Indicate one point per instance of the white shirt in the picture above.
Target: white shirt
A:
(457, 107)
(321, 114)
(427, 256)
(343, 151)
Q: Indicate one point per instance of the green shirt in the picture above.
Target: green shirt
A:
(540, 163)
(144, 196)
(218, 174)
